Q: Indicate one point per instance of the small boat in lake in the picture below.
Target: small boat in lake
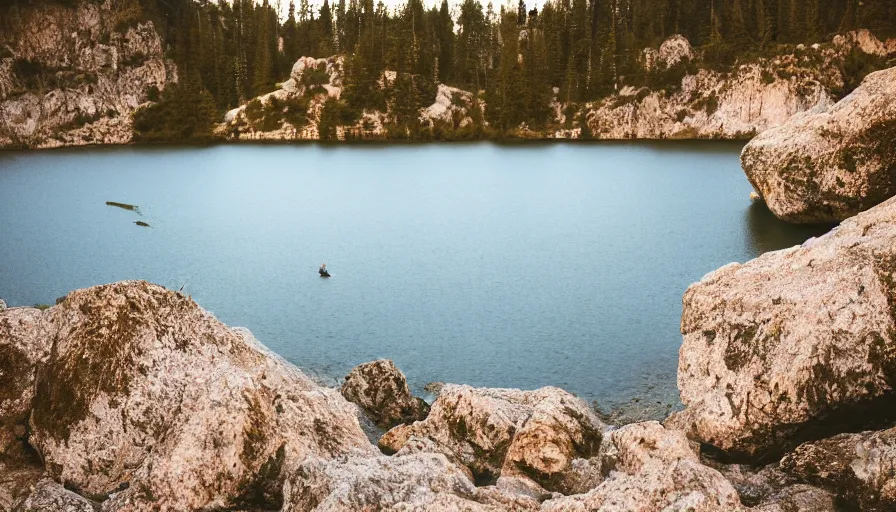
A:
(323, 271)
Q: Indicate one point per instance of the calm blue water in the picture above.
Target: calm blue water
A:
(489, 265)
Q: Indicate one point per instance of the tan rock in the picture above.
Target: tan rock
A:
(794, 339)
(829, 165)
(48, 496)
(507, 432)
(104, 74)
(381, 390)
(148, 399)
(861, 468)
(421, 481)
(650, 468)
(703, 103)
(799, 498)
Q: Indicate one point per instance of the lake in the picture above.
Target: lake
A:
(491, 265)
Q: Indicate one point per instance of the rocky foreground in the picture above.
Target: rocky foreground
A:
(131, 397)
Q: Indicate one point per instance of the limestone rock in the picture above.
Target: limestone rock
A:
(703, 103)
(770, 490)
(2, 306)
(149, 400)
(799, 498)
(452, 106)
(95, 63)
(861, 468)
(672, 51)
(794, 343)
(50, 496)
(507, 432)
(381, 389)
(419, 481)
(829, 165)
(650, 468)
(312, 81)
(25, 343)
(865, 41)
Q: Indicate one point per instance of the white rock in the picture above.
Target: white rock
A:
(420, 481)
(50, 496)
(796, 338)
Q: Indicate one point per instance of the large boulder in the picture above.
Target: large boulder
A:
(650, 468)
(148, 400)
(420, 481)
(382, 391)
(795, 344)
(828, 165)
(861, 468)
(507, 432)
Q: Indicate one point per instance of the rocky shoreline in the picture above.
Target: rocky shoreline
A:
(131, 397)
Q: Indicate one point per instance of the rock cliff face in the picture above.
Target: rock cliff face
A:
(793, 344)
(712, 105)
(73, 76)
(829, 165)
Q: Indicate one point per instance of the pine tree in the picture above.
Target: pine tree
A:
(445, 33)
(325, 21)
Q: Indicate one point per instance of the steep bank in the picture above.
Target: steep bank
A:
(73, 76)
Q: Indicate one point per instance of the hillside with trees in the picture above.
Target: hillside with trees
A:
(516, 59)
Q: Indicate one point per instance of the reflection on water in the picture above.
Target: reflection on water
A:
(769, 233)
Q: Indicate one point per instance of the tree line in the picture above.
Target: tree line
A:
(228, 52)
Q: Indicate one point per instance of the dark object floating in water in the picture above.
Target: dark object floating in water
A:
(323, 273)
(141, 223)
(125, 206)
